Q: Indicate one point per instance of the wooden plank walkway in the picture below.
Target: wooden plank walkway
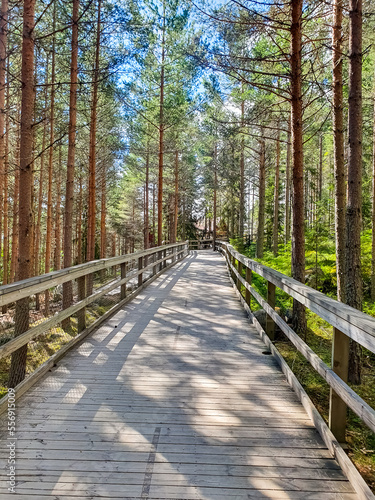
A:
(171, 399)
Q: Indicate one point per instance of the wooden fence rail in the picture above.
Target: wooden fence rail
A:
(201, 244)
(347, 323)
(132, 266)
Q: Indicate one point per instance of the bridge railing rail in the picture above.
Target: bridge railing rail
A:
(201, 244)
(348, 323)
(116, 279)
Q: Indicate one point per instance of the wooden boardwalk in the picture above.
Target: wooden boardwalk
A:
(172, 398)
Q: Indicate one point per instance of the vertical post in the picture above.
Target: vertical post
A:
(123, 276)
(271, 299)
(340, 365)
(165, 258)
(249, 278)
(160, 254)
(239, 284)
(154, 258)
(81, 314)
(234, 265)
(140, 275)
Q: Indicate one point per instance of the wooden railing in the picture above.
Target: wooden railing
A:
(348, 323)
(201, 244)
(141, 267)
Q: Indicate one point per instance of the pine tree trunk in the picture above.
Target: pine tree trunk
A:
(57, 254)
(175, 200)
(69, 194)
(338, 148)
(354, 204)
(215, 196)
(161, 138)
(48, 249)
(14, 248)
(79, 223)
(275, 236)
(242, 174)
(287, 187)
(146, 216)
(18, 363)
(92, 156)
(373, 205)
(320, 178)
(6, 194)
(103, 215)
(3, 64)
(262, 199)
(298, 234)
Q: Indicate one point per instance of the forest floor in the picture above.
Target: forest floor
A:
(320, 274)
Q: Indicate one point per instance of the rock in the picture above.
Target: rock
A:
(314, 276)
(261, 315)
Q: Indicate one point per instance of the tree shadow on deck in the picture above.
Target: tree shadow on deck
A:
(172, 398)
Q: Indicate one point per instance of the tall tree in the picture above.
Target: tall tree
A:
(354, 204)
(69, 194)
(298, 233)
(18, 363)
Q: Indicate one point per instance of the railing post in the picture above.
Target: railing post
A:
(340, 365)
(154, 258)
(123, 276)
(81, 314)
(271, 299)
(160, 265)
(249, 278)
(165, 258)
(240, 273)
(140, 266)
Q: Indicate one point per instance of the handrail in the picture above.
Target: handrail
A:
(347, 319)
(30, 286)
(26, 288)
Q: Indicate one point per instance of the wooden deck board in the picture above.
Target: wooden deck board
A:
(172, 398)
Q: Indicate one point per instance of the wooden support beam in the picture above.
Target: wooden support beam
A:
(340, 365)
(271, 299)
(240, 273)
(249, 279)
(140, 267)
(81, 314)
(123, 276)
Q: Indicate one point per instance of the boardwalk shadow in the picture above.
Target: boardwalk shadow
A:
(172, 398)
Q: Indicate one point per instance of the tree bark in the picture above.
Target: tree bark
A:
(175, 200)
(57, 250)
(6, 189)
(242, 174)
(48, 249)
(18, 363)
(92, 154)
(103, 214)
(287, 187)
(69, 194)
(215, 196)
(275, 236)
(354, 203)
(161, 138)
(298, 235)
(146, 216)
(262, 199)
(3, 64)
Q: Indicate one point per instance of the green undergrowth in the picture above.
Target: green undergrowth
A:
(360, 440)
